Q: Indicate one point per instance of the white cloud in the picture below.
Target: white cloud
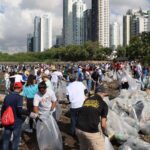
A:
(16, 23)
(16, 19)
(11, 3)
(120, 7)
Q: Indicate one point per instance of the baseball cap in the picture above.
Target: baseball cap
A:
(18, 85)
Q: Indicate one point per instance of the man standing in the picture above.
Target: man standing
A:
(16, 102)
(92, 121)
(76, 95)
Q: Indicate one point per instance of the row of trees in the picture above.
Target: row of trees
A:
(88, 51)
(139, 48)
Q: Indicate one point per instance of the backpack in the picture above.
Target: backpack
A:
(8, 118)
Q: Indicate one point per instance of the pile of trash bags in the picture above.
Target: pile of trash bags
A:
(129, 115)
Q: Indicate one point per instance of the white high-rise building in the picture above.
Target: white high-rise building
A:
(126, 29)
(36, 36)
(42, 33)
(134, 23)
(78, 22)
(149, 21)
(67, 21)
(46, 32)
(101, 22)
(114, 35)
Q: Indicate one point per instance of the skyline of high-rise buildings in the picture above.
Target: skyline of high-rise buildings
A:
(81, 24)
(76, 26)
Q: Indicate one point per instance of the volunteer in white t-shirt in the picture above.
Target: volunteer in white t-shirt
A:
(55, 79)
(18, 77)
(44, 100)
(76, 91)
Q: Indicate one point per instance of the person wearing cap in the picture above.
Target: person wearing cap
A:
(15, 100)
(76, 94)
(91, 124)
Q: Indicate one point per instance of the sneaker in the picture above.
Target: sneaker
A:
(28, 130)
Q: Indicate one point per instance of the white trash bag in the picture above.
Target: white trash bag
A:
(145, 128)
(135, 144)
(118, 128)
(115, 75)
(58, 111)
(108, 145)
(25, 124)
(48, 134)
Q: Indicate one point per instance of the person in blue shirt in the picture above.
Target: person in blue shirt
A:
(15, 100)
(29, 91)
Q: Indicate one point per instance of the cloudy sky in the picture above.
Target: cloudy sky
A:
(16, 18)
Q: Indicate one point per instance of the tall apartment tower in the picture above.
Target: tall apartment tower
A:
(78, 22)
(30, 43)
(46, 33)
(134, 23)
(148, 21)
(68, 21)
(101, 22)
(42, 33)
(36, 34)
(126, 29)
(114, 35)
(87, 25)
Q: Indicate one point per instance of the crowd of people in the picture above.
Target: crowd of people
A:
(38, 87)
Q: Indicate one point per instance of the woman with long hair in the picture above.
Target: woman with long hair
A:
(29, 90)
